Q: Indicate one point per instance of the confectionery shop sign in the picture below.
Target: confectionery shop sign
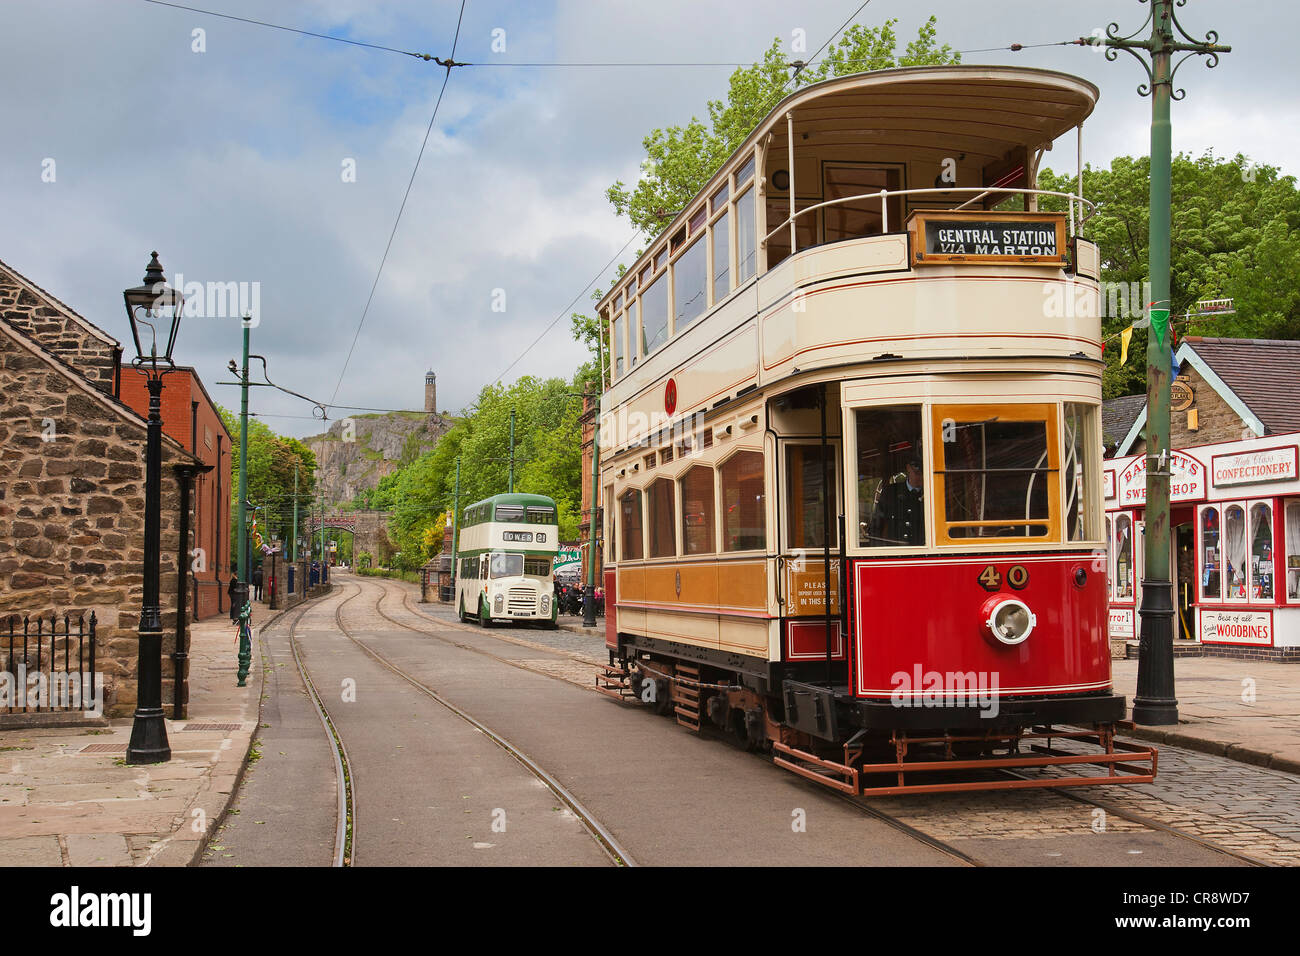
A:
(1186, 480)
(1237, 627)
(1254, 467)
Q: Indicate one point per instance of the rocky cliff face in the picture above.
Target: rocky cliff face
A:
(357, 452)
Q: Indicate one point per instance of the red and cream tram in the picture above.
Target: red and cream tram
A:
(869, 288)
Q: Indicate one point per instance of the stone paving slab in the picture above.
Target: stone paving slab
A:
(1248, 711)
(60, 806)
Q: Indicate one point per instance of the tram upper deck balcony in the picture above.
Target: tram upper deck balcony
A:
(888, 212)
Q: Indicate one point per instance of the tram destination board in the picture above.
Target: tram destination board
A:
(1024, 238)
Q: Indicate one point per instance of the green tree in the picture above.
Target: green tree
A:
(272, 459)
(680, 159)
(1235, 235)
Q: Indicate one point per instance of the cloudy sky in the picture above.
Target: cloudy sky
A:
(231, 161)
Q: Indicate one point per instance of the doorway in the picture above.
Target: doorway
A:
(1185, 579)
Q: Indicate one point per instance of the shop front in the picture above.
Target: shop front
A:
(1235, 547)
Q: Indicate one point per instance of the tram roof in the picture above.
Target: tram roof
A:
(934, 111)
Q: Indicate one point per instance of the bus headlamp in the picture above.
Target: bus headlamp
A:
(546, 603)
(498, 603)
(1007, 621)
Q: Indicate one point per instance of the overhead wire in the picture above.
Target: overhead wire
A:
(405, 196)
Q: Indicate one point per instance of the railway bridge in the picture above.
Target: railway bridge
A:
(369, 528)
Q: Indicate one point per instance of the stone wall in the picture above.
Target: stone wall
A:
(72, 510)
(58, 329)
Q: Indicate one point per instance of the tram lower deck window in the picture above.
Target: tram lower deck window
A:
(891, 480)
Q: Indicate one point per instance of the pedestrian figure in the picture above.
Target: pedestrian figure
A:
(257, 583)
(230, 593)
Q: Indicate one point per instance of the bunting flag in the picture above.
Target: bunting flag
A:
(1124, 338)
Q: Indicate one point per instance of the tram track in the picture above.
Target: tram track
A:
(617, 854)
(859, 805)
(868, 811)
(345, 831)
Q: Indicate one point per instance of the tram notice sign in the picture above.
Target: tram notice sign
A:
(1022, 237)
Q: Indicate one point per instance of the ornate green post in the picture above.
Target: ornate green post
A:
(245, 644)
(1155, 702)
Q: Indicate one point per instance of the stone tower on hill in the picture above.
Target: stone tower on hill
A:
(359, 450)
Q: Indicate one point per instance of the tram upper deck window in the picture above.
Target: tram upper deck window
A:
(996, 472)
(860, 217)
(617, 346)
(690, 285)
(654, 315)
(721, 257)
(891, 508)
(746, 237)
(744, 504)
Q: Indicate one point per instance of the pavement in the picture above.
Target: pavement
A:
(1247, 711)
(67, 797)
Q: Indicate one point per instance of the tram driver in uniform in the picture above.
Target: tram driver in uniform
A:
(899, 516)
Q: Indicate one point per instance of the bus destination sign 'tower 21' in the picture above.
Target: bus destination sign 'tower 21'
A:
(1024, 238)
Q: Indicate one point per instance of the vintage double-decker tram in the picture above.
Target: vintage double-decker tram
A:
(850, 295)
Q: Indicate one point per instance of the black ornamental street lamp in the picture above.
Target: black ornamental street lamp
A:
(156, 306)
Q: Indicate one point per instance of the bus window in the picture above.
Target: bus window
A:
(537, 567)
(744, 506)
(805, 473)
(507, 565)
(510, 513)
(891, 476)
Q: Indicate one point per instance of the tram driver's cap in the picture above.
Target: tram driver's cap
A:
(914, 461)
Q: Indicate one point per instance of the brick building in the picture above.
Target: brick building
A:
(191, 418)
(72, 476)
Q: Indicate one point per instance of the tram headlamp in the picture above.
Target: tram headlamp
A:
(1007, 621)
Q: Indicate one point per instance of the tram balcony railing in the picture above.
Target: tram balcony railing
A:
(981, 193)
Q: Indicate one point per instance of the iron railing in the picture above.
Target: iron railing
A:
(36, 680)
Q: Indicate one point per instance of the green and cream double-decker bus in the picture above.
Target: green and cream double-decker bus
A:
(507, 544)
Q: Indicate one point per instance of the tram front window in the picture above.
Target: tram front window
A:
(507, 565)
(891, 493)
(996, 471)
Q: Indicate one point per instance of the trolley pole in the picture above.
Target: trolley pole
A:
(295, 515)
(512, 451)
(455, 526)
(1154, 702)
(245, 655)
(589, 605)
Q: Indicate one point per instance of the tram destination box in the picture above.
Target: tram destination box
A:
(978, 236)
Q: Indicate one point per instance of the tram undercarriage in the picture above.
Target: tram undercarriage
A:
(866, 748)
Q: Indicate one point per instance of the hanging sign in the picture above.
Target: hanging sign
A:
(1021, 237)
(1186, 480)
(1255, 467)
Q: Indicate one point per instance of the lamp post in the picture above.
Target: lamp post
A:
(1154, 702)
(150, 305)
